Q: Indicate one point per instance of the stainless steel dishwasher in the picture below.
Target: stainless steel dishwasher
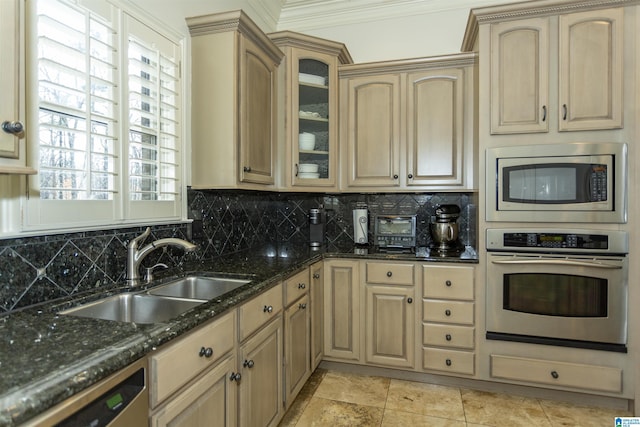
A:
(121, 400)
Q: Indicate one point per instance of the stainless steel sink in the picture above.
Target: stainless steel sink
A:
(199, 287)
(138, 308)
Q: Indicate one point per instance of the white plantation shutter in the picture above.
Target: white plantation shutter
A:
(108, 97)
(153, 73)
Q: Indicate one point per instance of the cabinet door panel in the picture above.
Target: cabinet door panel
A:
(342, 310)
(591, 68)
(435, 127)
(520, 76)
(317, 314)
(258, 105)
(297, 346)
(261, 384)
(209, 401)
(390, 314)
(373, 131)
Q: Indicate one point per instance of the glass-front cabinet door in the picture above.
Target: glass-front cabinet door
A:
(311, 113)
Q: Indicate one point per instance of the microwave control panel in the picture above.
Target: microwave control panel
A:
(558, 241)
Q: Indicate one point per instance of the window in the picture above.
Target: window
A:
(109, 146)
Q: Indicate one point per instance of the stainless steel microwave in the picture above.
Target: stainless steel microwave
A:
(571, 182)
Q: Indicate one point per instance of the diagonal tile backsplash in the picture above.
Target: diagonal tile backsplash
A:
(38, 269)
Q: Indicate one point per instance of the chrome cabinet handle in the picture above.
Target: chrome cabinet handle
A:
(235, 376)
(567, 262)
(13, 127)
(564, 111)
(268, 309)
(248, 364)
(544, 113)
(206, 352)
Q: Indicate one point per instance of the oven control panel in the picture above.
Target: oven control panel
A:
(557, 241)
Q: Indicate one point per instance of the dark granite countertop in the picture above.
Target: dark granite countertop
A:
(46, 357)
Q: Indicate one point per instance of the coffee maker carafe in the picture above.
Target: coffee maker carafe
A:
(444, 231)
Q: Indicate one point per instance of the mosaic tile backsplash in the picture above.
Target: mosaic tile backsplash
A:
(38, 269)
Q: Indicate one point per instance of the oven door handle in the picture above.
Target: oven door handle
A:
(569, 262)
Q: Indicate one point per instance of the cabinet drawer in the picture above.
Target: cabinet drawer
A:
(174, 366)
(390, 273)
(447, 282)
(448, 311)
(591, 377)
(260, 310)
(459, 362)
(448, 335)
(296, 286)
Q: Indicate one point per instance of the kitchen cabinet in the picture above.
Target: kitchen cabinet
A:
(297, 334)
(342, 310)
(408, 125)
(448, 333)
(316, 295)
(234, 68)
(12, 87)
(390, 314)
(311, 109)
(260, 359)
(211, 400)
(192, 379)
(587, 51)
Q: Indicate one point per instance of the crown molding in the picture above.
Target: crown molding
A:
(530, 9)
(407, 65)
(305, 41)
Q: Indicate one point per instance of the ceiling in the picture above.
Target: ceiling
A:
(300, 15)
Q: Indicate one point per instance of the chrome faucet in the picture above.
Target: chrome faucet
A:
(135, 256)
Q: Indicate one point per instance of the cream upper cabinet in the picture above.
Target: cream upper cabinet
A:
(310, 121)
(435, 128)
(408, 125)
(371, 130)
(591, 70)
(587, 50)
(520, 76)
(12, 109)
(234, 103)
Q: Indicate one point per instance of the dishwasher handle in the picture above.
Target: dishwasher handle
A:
(548, 261)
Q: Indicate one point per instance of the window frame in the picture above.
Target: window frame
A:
(59, 215)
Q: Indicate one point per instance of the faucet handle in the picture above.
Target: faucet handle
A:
(148, 277)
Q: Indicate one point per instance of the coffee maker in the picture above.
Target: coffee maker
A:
(444, 231)
(317, 222)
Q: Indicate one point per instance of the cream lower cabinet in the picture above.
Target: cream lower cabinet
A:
(390, 314)
(297, 334)
(448, 316)
(316, 295)
(342, 310)
(191, 380)
(260, 360)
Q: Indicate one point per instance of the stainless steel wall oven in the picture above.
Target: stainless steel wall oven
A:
(558, 287)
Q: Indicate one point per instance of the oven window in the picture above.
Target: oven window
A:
(555, 294)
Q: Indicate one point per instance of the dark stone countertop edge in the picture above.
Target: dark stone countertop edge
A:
(27, 400)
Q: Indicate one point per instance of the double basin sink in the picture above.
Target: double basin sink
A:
(161, 303)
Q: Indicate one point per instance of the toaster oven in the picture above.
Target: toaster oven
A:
(395, 231)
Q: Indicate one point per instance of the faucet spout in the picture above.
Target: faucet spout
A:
(135, 255)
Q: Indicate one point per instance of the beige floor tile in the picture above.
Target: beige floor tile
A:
(324, 412)
(497, 409)
(302, 400)
(425, 399)
(358, 389)
(403, 419)
(564, 414)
